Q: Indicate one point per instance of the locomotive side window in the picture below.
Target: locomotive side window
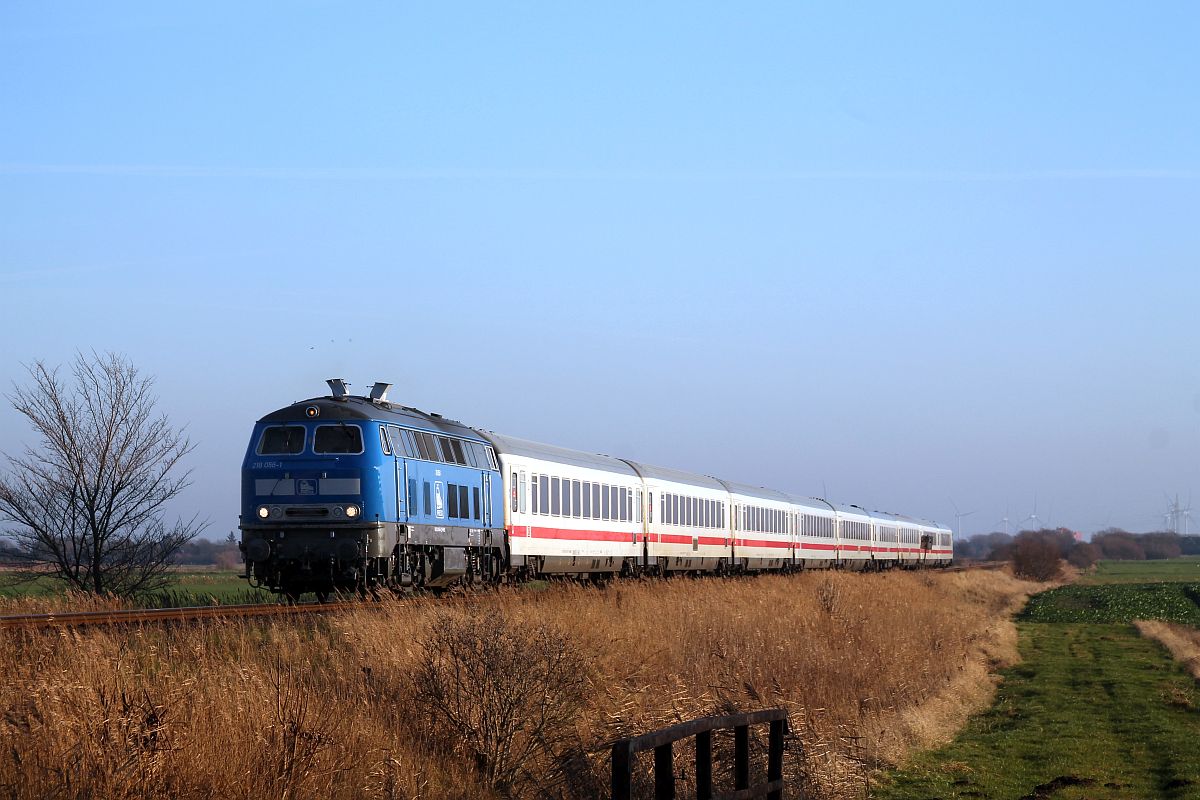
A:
(464, 501)
(281, 440)
(452, 498)
(383, 441)
(338, 439)
(475, 504)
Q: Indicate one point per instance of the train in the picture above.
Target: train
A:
(349, 493)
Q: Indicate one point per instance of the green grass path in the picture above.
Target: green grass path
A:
(1093, 711)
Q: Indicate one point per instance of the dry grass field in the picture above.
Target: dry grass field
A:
(1183, 641)
(515, 693)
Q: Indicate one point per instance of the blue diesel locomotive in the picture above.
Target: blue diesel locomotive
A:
(350, 494)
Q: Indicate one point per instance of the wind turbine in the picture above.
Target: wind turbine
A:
(1004, 521)
(1033, 516)
(959, 516)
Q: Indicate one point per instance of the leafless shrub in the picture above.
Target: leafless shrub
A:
(504, 695)
(88, 502)
(1036, 558)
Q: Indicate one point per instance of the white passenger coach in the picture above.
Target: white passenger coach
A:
(570, 512)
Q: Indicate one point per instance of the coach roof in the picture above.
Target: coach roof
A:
(512, 446)
(761, 492)
(677, 476)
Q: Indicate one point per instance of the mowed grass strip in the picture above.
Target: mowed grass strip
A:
(1094, 711)
(1185, 569)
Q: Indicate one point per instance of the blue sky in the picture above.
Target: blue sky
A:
(910, 255)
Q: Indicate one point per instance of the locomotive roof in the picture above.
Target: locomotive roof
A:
(353, 407)
(511, 445)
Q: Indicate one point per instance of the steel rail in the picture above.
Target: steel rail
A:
(77, 619)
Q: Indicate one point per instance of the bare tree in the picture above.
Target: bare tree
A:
(89, 499)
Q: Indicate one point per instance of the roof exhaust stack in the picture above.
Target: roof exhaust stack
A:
(338, 387)
(379, 391)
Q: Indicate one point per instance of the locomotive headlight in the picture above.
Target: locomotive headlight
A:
(351, 511)
(337, 511)
(263, 512)
(276, 512)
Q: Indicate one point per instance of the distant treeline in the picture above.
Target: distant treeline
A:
(1112, 543)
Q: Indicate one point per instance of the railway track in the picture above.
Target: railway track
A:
(134, 616)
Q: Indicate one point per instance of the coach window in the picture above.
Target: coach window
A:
(533, 500)
(625, 509)
(521, 493)
(637, 507)
(341, 438)
(555, 497)
(544, 490)
(650, 507)
(585, 497)
(576, 500)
